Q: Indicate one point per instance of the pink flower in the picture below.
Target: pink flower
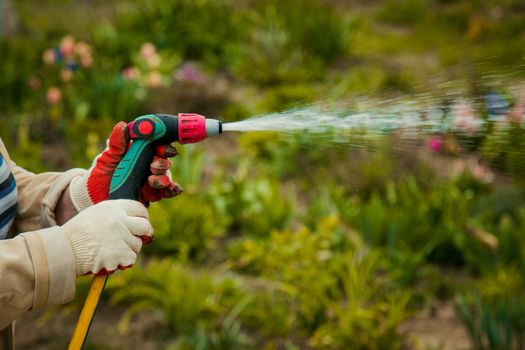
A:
(482, 173)
(473, 167)
(131, 73)
(48, 56)
(188, 72)
(67, 45)
(435, 144)
(54, 95)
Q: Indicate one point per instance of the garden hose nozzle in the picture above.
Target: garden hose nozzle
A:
(147, 132)
(183, 128)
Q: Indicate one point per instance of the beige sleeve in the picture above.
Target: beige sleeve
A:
(37, 269)
(38, 195)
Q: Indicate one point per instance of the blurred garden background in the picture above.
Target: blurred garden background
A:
(289, 243)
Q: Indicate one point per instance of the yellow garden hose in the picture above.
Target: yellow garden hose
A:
(88, 312)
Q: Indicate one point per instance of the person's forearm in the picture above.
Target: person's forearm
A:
(65, 209)
(18, 292)
(39, 195)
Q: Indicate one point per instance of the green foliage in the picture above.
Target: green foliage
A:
(188, 168)
(503, 147)
(367, 79)
(317, 28)
(111, 97)
(406, 12)
(370, 316)
(27, 152)
(272, 310)
(269, 59)
(188, 301)
(509, 232)
(336, 310)
(293, 41)
(229, 335)
(287, 96)
(252, 205)
(204, 30)
(16, 68)
(493, 314)
(184, 227)
(437, 217)
(269, 149)
(297, 258)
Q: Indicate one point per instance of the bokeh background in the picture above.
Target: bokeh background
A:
(290, 243)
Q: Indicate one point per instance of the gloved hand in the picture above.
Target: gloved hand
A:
(94, 186)
(107, 236)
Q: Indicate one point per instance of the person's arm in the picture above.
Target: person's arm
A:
(38, 268)
(40, 196)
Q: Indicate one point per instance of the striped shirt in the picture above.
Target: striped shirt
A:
(8, 198)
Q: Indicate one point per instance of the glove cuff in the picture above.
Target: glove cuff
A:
(79, 194)
(79, 245)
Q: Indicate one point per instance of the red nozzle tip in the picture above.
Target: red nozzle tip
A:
(192, 128)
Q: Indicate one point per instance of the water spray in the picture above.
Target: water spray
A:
(151, 130)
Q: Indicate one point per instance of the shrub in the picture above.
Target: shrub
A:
(407, 12)
(503, 147)
(252, 205)
(16, 69)
(297, 258)
(189, 301)
(205, 30)
(268, 58)
(184, 227)
(370, 315)
(293, 41)
(493, 314)
(343, 295)
(434, 221)
(188, 168)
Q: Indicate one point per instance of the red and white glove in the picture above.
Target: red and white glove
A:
(94, 187)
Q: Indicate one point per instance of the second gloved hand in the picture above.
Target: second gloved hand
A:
(108, 236)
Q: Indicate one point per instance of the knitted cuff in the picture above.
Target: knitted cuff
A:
(78, 192)
(79, 244)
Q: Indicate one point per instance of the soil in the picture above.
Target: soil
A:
(34, 331)
(442, 330)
